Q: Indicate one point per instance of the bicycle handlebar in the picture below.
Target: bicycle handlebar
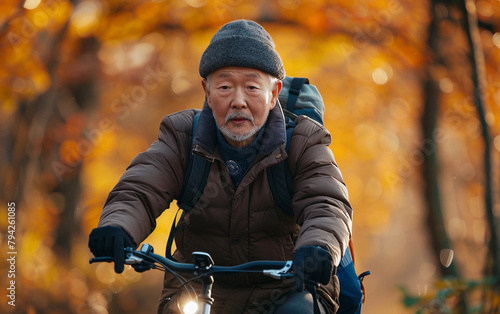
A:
(202, 268)
(146, 257)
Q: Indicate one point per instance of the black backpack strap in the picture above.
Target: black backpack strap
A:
(279, 178)
(293, 93)
(195, 179)
(171, 236)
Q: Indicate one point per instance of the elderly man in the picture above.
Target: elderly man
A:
(241, 131)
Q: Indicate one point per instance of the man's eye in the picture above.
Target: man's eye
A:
(253, 87)
(224, 87)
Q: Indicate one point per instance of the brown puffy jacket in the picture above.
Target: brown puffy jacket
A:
(237, 226)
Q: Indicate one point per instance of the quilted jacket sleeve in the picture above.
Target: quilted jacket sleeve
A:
(320, 200)
(151, 181)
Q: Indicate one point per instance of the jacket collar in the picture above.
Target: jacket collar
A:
(273, 137)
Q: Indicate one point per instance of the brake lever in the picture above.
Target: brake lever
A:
(133, 260)
(278, 273)
(129, 260)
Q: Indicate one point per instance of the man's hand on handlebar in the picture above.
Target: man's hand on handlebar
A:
(110, 241)
(312, 264)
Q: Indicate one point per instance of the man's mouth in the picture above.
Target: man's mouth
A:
(238, 120)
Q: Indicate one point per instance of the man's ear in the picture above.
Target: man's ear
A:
(274, 93)
(207, 91)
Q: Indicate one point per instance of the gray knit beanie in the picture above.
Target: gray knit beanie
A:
(243, 44)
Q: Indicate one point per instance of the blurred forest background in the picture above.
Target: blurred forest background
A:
(412, 90)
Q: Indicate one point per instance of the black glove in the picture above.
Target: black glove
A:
(312, 263)
(110, 241)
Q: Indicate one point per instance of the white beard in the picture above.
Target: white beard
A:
(238, 137)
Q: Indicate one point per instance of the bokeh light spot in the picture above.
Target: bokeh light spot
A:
(31, 4)
(446, 257)
(446, 85)
(380, 76)
(496, 39)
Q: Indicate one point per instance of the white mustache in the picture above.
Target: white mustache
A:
(239, 115)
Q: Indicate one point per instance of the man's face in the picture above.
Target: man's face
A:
(241, 99)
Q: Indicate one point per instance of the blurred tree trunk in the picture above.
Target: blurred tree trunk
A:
(431, 93)
(468, 24)
(476, 56)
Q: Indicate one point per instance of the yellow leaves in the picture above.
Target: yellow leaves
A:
(164, 222)
(41, 80)
(374, 221)
(68, 153)
(26, 73)
(150, 11)
(8, 9)
(8, 103)
(28, 77)
(91, 206)
(366, 141)
(100, 176)
(122, 26)
(47, 15)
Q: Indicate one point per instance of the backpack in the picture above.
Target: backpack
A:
(297, 97)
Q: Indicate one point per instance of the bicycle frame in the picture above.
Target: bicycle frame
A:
(203, 268)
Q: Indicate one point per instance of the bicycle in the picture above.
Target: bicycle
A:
(203, 268)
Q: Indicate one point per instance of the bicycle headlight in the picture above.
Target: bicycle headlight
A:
(190, 308)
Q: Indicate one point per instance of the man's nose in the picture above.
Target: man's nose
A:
(239, 100)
